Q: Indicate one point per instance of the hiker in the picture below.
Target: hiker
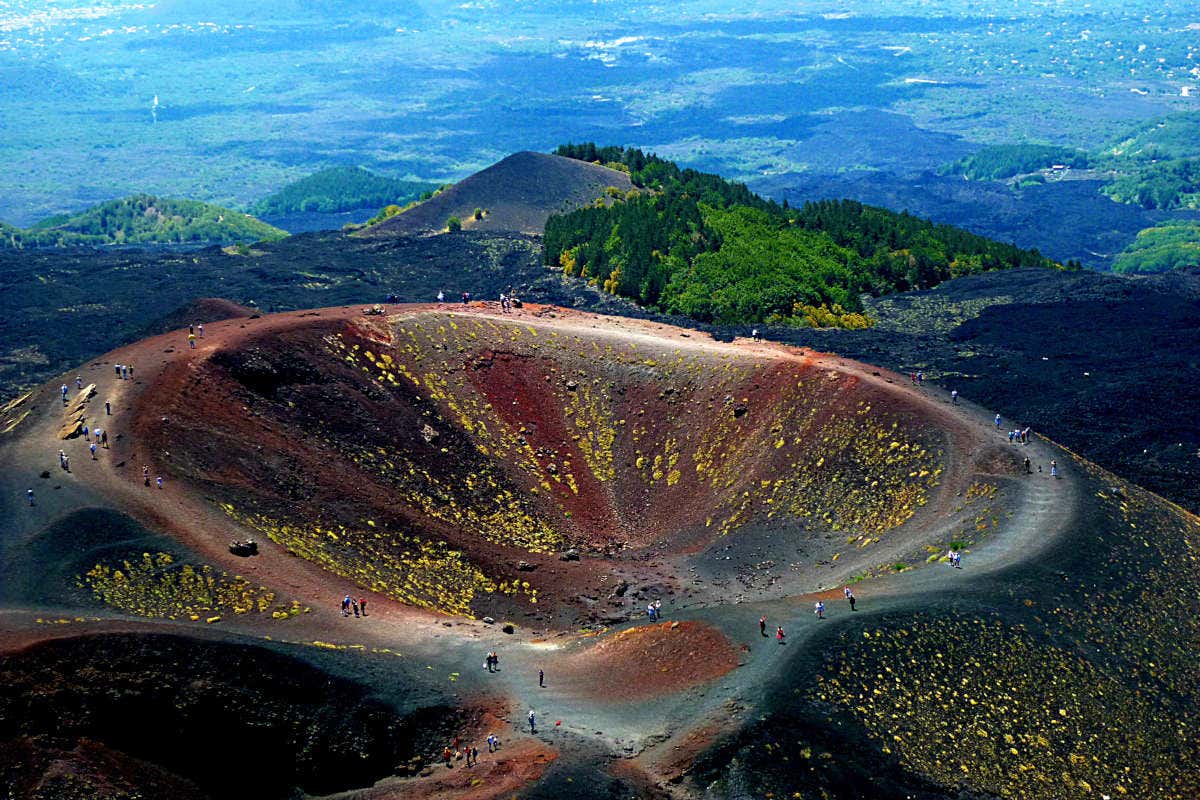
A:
(85, 433)
(192, 328)
(107, 408)
(475, 754)
(779, 634)
(950, 556)
(491, 740)
(1025, 436)
(921, 378)
(957, 560)
(1053, 468)
(541, 678)
(466, 298)
(998, 427)
(146, 475)
(1012, 435)
(92, 449)
(192, 340)
(650, 611)
(658, 609)
(441, 299)
(819, 610)
(64, 394)
(104, 439)
(754, 334)
(912, 376)
(850, 596)
(954, 396)
(29, 494)
(762, 625)
(346, 606)
(200, 329)
(158, 481)
(362, 605)
(447, 754)
(62, 459)
(125, 370)
(354, 605)
(78, 383)
(1028, 467)
(532, 722)
(117, 369)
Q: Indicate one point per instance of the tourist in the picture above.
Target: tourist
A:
(158, 481)
(78, 383)
(491, 740)
(1053, 468)
(532, 722)
(92, 449)
(117, 369)
(850, 596)
(1012, 436)
(362, 605)
(200, 330)
(1028, 466)
(998, 426)
(107, 408)
(475, 754)
(346, 606)
(29, 494)
(354, 605)
(658, 609)
(779, 634)
(819, 609)
(954, 396)
(64, 394)
(541, 678)
(762, 625)
(192, 340)
(85, 433)
(441, 298)
(104, 439)
(921, 378)
(146, 476)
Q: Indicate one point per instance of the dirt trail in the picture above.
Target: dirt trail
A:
(1044, 509)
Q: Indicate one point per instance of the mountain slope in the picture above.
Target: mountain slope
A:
(517, 193)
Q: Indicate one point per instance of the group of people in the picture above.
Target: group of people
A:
(491, 662)
(193, 329)
(358, 605)
(954, 558)
(654, 611)
(917, 378)
(124, 372)
(818, 609)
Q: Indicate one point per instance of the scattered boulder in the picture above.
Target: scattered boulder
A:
(508, 628)
(569, 555)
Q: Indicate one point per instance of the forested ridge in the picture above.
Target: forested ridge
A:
(693, 243)
(142, 219)
(341, 189)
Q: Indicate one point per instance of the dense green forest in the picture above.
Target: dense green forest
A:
(1001, 161)
(696, 244)
(1164, 184)
(143, 219)
(1171, 245)
(340, 189)
(1170, 137)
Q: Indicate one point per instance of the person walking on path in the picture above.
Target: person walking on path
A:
(532, 721)
(779, 634)
(78, 383)
(192, 340)
(29, 494)
(64, 394)
(542, 678)
(146, 476)
(998, 426)
(200, 329)
(1053, 468)
(158, 480)
(346, 606)
(762, 625)
(921, 378)
(104, 439)
(362, 605)
(442, 299)
(491, 740)
(117, 369)
(850, 596)
(85, 433)
(354, 605)
(92, 448)
(819, 610)
(1028, 466)
(475, 754)
(954, 396)
(107, 408)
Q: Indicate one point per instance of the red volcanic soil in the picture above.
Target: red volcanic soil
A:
(648, 661)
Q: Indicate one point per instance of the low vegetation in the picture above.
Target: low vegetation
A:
(1001, 161)
(143, 219)
(1172, 245)
(1167, 185)
(696, 244)
(340, 189)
